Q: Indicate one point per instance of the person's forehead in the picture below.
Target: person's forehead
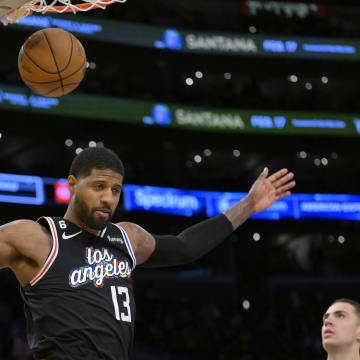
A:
(341, 306)
(105, 175)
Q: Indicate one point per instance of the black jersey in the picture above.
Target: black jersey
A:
(81, 304)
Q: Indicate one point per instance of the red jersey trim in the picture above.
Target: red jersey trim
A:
(52, 256)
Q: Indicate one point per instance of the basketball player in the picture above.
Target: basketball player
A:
(75, 272)
(341, 330)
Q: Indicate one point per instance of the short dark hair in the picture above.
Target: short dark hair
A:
(100, 158)
(354, 303)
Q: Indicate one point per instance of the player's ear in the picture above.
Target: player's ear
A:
(358, 333)
(72, 181)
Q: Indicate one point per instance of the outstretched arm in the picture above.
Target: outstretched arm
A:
(170, 250)
(197, 240)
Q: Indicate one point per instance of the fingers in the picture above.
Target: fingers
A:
(283, 180)
(279, 174)
(264, 173)
(286, 193)
(285, 188)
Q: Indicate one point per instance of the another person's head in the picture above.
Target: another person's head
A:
(341, 327)
(95, 182)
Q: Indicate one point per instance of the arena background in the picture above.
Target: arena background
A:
(236, 75)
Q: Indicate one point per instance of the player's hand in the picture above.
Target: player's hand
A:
(266, 190)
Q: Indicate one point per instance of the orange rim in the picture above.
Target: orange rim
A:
(84, 7)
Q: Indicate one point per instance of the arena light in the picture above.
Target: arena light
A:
(236, 152)
(252, 29)
(302, 154)
(61, 192)
(324, 161)
(256, 236)
(68, 142)
(324, 79)
(341, 239)
(246, 305)
(293, 78)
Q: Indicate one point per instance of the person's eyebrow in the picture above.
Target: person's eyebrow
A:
(337, 312)
(101, 180)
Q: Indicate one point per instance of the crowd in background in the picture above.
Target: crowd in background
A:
(287, 329)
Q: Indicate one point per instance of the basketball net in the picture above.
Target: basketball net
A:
(54, 6)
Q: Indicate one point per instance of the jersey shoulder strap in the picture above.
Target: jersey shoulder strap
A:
(49, 224)
(112, 235)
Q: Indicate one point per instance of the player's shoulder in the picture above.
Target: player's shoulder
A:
(23, 230)
(127, 226)
(142, 242)
(138, 236)
(131, 228)
(25, 225)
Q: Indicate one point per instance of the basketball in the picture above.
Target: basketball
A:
(52, 62)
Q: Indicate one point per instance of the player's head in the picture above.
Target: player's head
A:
(95, 181)
(341, 327)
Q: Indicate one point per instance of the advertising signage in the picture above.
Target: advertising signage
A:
(33, 190)
(199, 42)
(181, 117)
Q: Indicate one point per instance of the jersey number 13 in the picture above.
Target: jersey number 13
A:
(119, 290)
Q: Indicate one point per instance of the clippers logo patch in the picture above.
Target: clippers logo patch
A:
(101, 265)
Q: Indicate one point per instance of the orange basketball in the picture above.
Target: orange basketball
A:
(52, 62)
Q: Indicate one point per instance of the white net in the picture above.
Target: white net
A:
(59, 6)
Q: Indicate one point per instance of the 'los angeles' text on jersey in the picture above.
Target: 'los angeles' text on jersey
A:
(101, 265)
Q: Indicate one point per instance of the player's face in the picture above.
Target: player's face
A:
(97, 197)
(341, 327)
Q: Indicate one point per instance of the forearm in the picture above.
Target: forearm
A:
(239, 212)
(190, 244)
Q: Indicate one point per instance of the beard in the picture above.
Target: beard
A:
(88, 217)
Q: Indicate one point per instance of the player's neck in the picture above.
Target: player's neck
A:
(71, 216)
(351, 353)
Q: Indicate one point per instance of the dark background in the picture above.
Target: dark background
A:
(296, 269)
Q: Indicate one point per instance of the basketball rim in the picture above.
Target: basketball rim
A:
(13, 10)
